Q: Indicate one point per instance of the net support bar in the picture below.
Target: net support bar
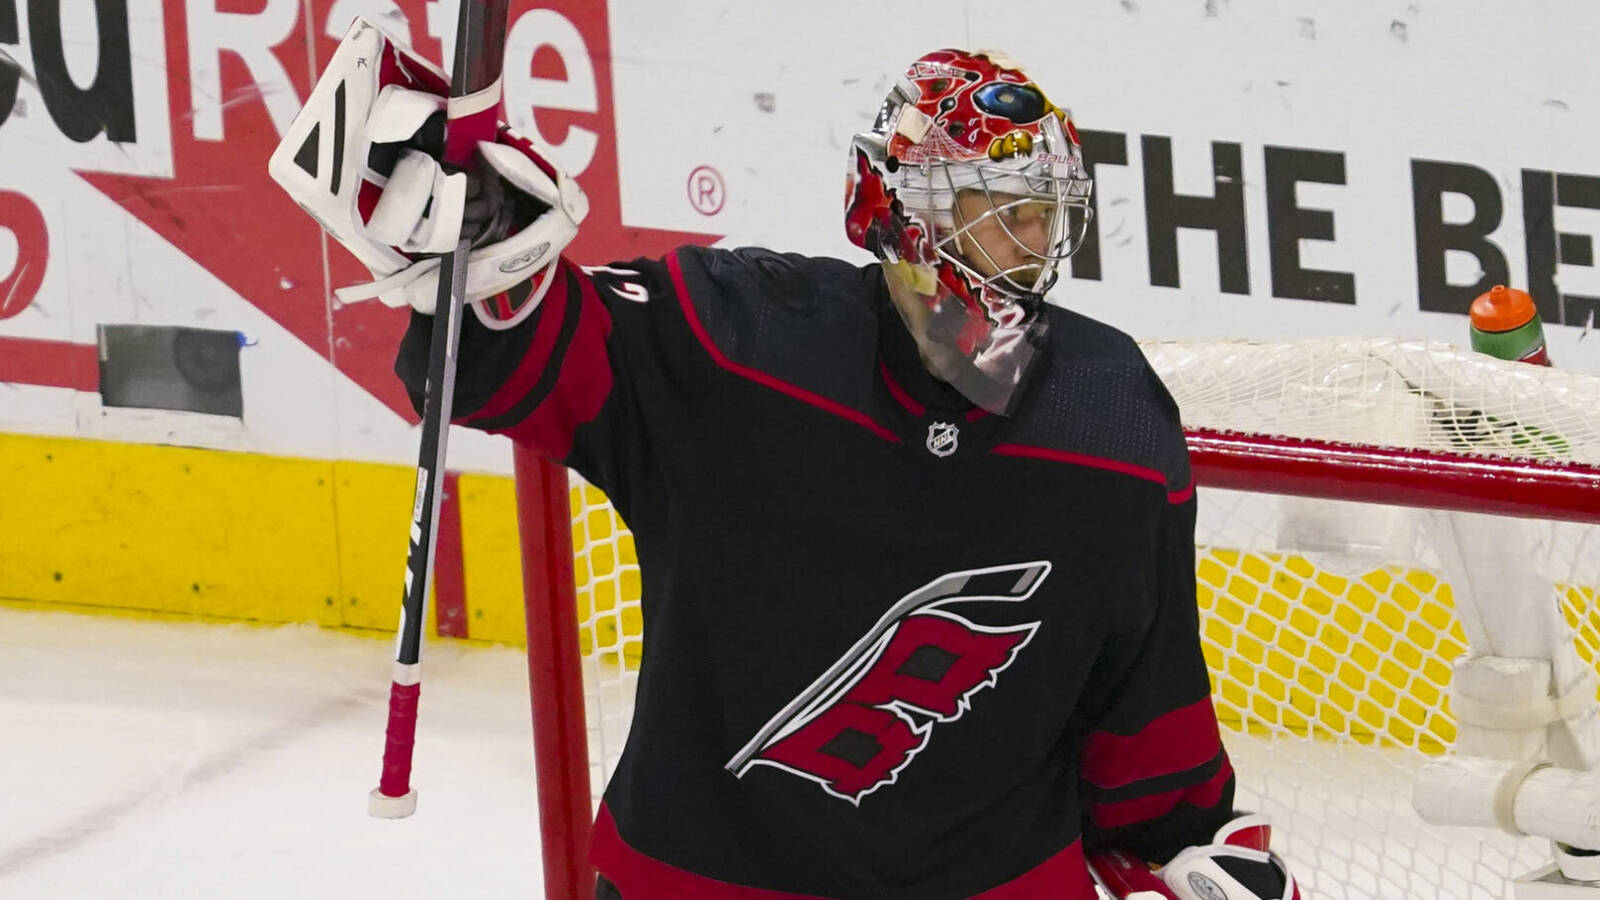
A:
(555, 678)
(1336, 471)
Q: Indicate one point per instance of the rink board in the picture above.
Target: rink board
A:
(241, 536)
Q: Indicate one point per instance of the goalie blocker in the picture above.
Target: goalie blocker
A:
(362, 159)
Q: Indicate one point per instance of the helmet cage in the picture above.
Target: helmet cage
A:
(934, 173)
(943, 131)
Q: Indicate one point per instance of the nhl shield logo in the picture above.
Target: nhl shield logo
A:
(942, 438)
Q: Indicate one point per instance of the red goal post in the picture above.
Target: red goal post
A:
(555, 678)
(1409, 425)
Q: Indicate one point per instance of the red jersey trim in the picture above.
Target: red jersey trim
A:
(1177, 497)
(1143, 809)
(541, 348)
(1144, 473)
(642, 877)
(1175, 742)
(1064, 876)
(573, 392)
(758, 376)
(899, 393)
(905, 399)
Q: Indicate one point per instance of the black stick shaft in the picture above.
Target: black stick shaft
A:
(473, 115)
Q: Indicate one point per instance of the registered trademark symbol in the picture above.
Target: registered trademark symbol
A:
(707, 192)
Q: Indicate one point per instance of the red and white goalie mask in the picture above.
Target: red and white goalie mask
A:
(971, 187)
(362, 159)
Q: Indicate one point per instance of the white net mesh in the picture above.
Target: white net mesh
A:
(1420, 394)
(610, 625)
(1331, 673)
(1329, 627)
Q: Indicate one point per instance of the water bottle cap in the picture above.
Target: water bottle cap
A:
(1503, 309)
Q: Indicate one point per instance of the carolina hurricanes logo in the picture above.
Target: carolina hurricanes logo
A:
(855, 728)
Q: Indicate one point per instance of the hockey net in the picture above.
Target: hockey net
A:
(1329, 625)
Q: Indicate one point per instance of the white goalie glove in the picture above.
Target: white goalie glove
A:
(1237, 865)
(362, 159)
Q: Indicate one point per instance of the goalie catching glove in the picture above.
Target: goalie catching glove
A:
(1237, 866)
(362, 159)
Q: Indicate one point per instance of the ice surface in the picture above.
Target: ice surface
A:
(143, 758)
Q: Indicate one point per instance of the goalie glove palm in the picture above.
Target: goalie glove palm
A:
(362, 159)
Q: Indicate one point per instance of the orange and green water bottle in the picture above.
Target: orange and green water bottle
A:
(1505, 324)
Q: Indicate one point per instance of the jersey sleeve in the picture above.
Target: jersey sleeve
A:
(615, 369)
(555, 380)
(1155, 776)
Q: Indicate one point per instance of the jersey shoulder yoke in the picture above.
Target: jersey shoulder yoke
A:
(808, 322)
(1098, 397)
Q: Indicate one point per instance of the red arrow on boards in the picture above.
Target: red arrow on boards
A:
(221, 210)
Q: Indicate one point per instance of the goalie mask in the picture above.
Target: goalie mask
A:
(971, 187)
(361, 158)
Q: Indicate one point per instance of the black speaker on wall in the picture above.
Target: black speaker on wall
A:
(171, 367)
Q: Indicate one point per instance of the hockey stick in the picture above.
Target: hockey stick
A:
(472, 116)
(7, 61)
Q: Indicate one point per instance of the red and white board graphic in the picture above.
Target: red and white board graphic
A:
(170, 119)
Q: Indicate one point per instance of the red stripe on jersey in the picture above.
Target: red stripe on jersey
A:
(582, 385)
(1175, 742)
(758, 376)
(910, 403)
(1176, 497)
(1144, 473)
(1082, 459)
(1064, 876)
(1143, 809)
(899, 393)
(551, 315)
(635, 874)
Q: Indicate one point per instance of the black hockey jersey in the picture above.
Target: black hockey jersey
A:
(896, 648)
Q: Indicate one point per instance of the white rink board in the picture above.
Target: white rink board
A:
(766, 94)
(1380, 84)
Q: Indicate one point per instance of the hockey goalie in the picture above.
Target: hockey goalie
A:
(916, 547)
